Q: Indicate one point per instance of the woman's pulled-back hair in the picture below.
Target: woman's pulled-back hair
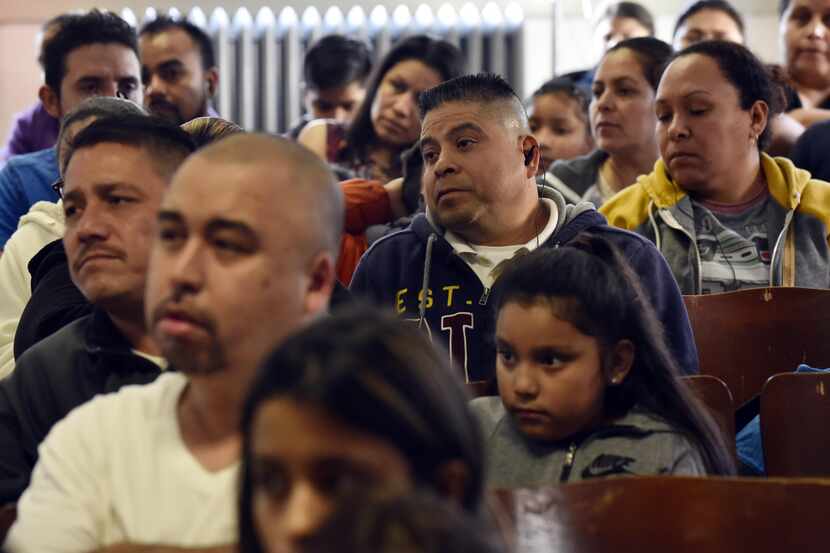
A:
(440, 55)
(630, 10)
(590, 285)
(382, 376)
(753, 80)
(713, 5)
(652, 54)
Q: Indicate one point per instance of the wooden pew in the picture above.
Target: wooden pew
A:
(795, 425)
(745, 337)
(670, 515)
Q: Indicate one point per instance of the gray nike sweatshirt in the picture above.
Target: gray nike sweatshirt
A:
(637, 444)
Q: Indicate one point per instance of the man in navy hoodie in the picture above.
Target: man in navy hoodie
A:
(483, 209)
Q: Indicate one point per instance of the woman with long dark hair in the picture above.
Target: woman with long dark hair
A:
(368, 155)
(387, 123)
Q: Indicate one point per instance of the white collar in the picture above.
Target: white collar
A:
(463, 247)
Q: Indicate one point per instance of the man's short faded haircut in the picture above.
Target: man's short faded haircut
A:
(166, 144)
(481, 88)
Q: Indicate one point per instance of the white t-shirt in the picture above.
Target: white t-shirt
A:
(487, 262)
(160, 362)
(116, 470)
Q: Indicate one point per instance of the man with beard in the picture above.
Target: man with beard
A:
(232, 272)
(178, 69)
(117, 169)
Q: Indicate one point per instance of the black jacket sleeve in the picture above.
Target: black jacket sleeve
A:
(28, 409)
(55, 301)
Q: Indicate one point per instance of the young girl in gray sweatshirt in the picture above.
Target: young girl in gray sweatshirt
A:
(587, 388)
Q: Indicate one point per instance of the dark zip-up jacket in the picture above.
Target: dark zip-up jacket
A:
(418, 262)
(55, 300)
(85, 358)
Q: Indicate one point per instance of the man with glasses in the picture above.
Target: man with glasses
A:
(116, 172)
(34, 253)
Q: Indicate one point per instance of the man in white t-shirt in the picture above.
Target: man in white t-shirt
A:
(244, 253)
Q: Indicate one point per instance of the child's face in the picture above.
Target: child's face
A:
(302, 471)
(550, 374)
(560, 128)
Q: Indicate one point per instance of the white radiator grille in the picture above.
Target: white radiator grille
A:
(260, 58)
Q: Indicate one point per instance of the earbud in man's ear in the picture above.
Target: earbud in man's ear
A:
(529, 155)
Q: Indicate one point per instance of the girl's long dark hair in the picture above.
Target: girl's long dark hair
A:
(590, 285)
(383, 376)
(440, 55)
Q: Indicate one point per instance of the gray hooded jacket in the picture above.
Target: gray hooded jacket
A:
(637, 444)
(574, 177)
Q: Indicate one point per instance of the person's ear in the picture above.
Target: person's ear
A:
(50, 101)
(212, 81)
(531, 155)
(759, 115)
(618, 362)
(452, 479)
(321, 282)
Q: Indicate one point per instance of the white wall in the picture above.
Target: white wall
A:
(20, 21)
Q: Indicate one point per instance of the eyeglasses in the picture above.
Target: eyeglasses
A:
(57, 186)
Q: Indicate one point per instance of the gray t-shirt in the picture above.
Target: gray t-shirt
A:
(734, 246)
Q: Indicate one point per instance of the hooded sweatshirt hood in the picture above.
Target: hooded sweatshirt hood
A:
(797, 222)
(638, 443)
(47, 215)
(418, 273)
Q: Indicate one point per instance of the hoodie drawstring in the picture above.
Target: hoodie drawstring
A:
(654, 227)
(422, 304)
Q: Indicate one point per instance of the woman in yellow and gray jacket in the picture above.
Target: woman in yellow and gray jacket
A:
(724, 214)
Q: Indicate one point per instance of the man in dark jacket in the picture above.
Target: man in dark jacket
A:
(115, 175)
(483, 209)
